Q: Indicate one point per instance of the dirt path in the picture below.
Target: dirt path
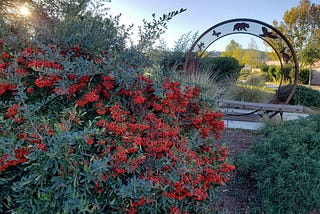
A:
(232, 198)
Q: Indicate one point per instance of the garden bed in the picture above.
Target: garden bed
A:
(233, 196)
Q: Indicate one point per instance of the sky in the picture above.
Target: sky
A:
(203, 14)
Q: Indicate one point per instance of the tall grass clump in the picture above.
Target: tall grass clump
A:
(283, 166)
(211, 87)
(249, 93)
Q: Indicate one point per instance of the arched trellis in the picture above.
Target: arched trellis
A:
(252, 27)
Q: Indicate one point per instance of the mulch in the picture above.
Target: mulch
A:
(231, 195)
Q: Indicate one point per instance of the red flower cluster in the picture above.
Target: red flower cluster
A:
(140, 133)
(40, 64)
(20, 155)
(6, 87)
(90, 97)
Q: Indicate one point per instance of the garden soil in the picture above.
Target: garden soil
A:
(235, 197)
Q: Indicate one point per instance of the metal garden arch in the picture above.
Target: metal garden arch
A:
(252, 27)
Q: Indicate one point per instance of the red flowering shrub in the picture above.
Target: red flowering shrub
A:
(85, 135)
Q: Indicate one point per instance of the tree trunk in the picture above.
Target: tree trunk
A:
(310, 75)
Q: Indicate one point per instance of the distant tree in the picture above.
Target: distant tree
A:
(233, 49)
(252, 58)
(253, 44)
(309, 55)
(174, 59)
(301, 22)
(301, 25)
(271, 55)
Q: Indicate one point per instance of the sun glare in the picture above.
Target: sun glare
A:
(24, 10)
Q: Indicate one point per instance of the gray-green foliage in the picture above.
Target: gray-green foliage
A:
(283, 166)
(172, 60)
(151, 31)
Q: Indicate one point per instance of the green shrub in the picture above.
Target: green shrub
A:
(274, 73)
(302, 96)
(172, 60)
(221, 68)
(86, 134)
(284, 167)
(306, 96)
(303, 76)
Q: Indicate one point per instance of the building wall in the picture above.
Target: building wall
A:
(315, 80)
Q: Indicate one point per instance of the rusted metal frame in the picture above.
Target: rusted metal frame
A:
(186, 64)
(243, 30)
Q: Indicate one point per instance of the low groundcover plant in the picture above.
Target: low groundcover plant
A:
(83, 134)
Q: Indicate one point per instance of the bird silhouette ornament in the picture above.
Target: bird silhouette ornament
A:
(285, 56)
(266, 33)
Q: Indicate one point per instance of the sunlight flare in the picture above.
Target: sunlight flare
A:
(24, 10)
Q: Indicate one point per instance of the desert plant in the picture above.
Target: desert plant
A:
(283, 166)
(86, 134)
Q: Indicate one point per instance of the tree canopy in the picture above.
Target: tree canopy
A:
(301, 25)
(233, 49)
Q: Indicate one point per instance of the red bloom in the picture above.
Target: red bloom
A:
(174, 210)
(2, 65)
(200, 194)
(89, 140)
(5, 55)
(41, 146)
(76, 49)
(118, 114)
(3, 89)
(30, 90)
(26, 52)
(84, 79)
(43, 81)
(22, 72)
(12, 111)
(91, 97)
(139, 99)
(88, 98)
(74, 88)
(20, 60)
(71, 76)
(100, 109)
